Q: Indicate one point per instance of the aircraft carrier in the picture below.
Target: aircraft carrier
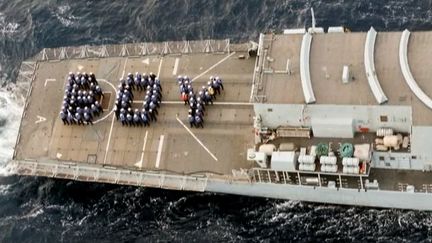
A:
(316, 115)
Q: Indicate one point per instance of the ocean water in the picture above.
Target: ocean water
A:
(46, 210)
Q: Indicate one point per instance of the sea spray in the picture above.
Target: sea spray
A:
(11, 108)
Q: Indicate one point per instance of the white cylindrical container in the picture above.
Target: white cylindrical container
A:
(328, 160)
(391, 141)
(329, 168)
(344, 161)
(307, 167)
(384, 131)
(345, 169)
(354, 170)
(312, 180)
(355, 161)
(350, 161)
(323, 160)
(333, 168)
(333, 160)
(306, 159)
(323, 167)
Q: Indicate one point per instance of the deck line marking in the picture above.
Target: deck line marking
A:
(109, 140)
(210, 68)
(159, 153)
(143, 149)
(176, 65)
(199, 141)
(112, 121)
(160, 67)
(124, 68)
(214, 103)
(107, 115)
(49, 80)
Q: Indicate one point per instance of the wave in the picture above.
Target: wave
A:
(11, 108)
(7, 28)
(37, 209)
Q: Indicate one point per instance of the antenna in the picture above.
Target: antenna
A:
(313, 20)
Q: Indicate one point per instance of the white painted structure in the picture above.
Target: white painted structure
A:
(370, 67)
(332, 127)
(336, 29)
(304, 69)
(363, 117)
(403, 60)
(298, 31)
(285, 160)
(421, 138)
(346, 74)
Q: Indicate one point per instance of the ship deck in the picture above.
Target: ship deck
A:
(166, 145)
(330, 52)
(110, 152)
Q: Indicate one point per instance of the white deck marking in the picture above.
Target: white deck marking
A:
(49, 80)
(140, 163)
(124, 68)
(112, 121)
(210, 68)
(104, 117)
(176, 65)
(107, 115)
(193, 135)
(160, 66)
(214, 103)
(109, 140)
(40, 119)
(146, 61)
(159, 153)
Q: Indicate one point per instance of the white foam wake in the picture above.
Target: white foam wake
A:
(11, 108)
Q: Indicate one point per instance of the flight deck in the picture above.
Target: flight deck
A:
(167, 144)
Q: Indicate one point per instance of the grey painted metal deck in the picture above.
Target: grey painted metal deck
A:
(166, 145)
(329, 53)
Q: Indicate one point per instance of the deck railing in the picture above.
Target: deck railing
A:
(135, 49)
(89, 173)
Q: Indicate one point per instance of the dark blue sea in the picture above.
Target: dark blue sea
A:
(46, 210)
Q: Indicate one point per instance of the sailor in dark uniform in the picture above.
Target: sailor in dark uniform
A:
(199, 121)
(145, 118)
(93, 79)
(63, 116)
(98, 106)
(78, 117)
(152, 115)
(116, 112)
(137, 118)
(70, 118)
(87, 118)
(152, 77)
(191, 120)
(123, 119)
(129, 119)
